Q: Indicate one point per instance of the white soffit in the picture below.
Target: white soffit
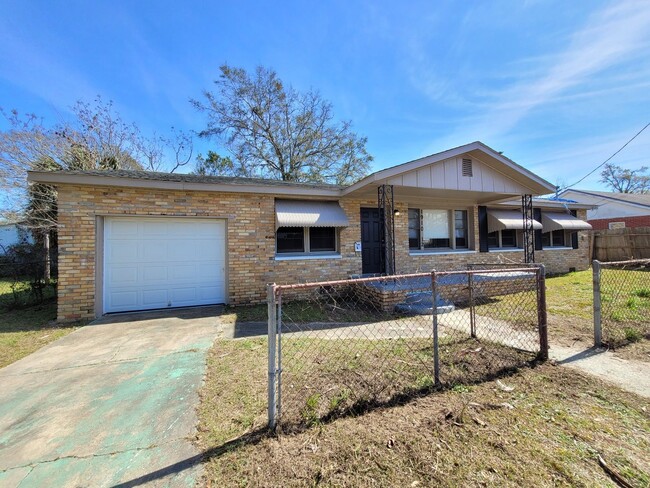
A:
(507, 219)
(309, 213)
(563, 221)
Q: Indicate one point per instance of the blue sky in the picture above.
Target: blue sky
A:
(557, 86)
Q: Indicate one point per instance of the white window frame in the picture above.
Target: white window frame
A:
(451, 223)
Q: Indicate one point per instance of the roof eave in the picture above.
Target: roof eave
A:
(59, 178)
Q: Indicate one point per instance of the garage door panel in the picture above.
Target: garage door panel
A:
(123, 251)
(154, 273)
(123, 275)
(123, 228)
(155, 298)
(155, 229)
(123, 299)
(152, 251)
(160, 263)
(182, 272)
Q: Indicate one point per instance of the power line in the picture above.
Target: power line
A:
(608, 159)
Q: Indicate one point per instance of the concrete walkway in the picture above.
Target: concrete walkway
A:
(633, 376)
(112, 404)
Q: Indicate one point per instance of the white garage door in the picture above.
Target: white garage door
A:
(163, 262)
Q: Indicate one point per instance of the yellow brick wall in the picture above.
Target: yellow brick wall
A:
(251, 242)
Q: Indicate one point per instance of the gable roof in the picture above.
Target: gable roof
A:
(524, 180)
(536, 184)
(636, 199)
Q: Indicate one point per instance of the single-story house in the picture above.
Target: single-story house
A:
(613, 210)
(12, 233)
(139, 240)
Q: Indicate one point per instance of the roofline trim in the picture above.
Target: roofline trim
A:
(597, 195)
(55, 177)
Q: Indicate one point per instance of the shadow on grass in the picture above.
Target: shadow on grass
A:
(357, 409)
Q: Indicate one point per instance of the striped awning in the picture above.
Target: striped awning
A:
(507, 219)
(309, 213)
(562, 221)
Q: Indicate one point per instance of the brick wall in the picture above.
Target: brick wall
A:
(636, 221)
(251, 242)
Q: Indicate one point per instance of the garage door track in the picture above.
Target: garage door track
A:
(112, 404)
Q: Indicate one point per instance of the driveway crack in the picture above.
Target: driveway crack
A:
(104, 363)
(91, 456)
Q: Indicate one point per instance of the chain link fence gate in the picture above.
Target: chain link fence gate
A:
(344, 346)
(621, 302)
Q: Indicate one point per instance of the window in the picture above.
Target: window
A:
(438, 229)
(554, 238)
(414, 228)
(306, 240)
(502, 238)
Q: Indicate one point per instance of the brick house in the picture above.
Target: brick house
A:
(139, 240)
(612, 210)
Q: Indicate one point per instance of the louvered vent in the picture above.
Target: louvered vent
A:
(467, 167)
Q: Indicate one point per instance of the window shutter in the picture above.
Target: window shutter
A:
(467, 167)
(482, 229)
(537, 215)
(574, 235)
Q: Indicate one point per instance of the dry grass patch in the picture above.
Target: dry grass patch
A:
(547, 431)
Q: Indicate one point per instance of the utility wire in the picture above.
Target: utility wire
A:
(607, 160)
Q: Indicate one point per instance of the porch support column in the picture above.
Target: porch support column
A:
(386, 205)
(529, 231)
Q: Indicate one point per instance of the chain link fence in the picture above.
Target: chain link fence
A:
(27, 276)
(344, 346)
(621, 302)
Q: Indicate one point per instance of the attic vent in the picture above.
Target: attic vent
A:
(467, 167)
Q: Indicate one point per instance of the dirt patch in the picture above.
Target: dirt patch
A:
(542, 426)
(578, 332)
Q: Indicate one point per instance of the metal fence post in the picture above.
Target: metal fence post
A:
(598, 324)
(472, 310)
(541, 313)
(272, 368)
(436, 352)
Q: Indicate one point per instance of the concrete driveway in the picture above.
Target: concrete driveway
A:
(112, 404)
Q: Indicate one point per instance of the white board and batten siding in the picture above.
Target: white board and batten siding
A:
(448, 175)
(152, 263)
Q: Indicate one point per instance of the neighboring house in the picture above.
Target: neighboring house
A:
(138, 240)
(613, 210)
(13, 233)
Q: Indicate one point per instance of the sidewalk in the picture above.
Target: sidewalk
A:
(633, 376)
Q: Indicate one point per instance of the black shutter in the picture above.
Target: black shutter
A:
(574, 235)
(482, 229)
(537, 215)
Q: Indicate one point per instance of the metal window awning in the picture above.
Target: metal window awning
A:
(562, 221)
(507, 219)
(309, 213)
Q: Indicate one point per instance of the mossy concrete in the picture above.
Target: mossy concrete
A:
(112, 403)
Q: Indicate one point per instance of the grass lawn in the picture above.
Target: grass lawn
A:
(26, 328)
(548, 430)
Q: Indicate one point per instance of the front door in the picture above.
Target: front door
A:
(371, 241)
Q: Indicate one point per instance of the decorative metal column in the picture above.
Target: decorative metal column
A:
(529, 231)
(387, 215)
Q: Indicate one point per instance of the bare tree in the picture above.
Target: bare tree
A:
(623, 180)
(275, 131)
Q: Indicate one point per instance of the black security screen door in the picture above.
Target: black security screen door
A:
(371, 241)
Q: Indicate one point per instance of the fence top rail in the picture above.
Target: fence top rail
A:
(348, 281)
(388, 278)
(625, 263)
(529, 270)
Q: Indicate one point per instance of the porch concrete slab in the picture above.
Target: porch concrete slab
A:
(110, 403)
